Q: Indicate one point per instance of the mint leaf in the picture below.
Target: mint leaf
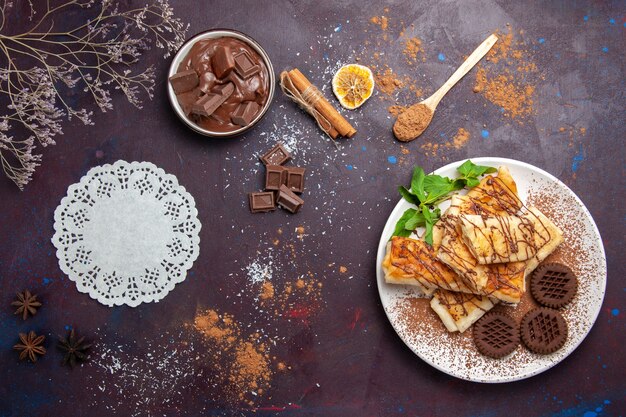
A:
(414, 222)
(472, 182)
(470, 170)
(430, 220)
(437, 186)
(408, 196)
(400, 229)
(417, 183)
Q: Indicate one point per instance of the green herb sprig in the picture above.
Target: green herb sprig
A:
(428, 191)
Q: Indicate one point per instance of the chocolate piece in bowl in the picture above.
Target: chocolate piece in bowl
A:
(275, 176)
(245, 113)
(207, 104)
(244, 66)
(278, 155)
(222, 61)
(207, 81)
(188, 99)
(262, 202)
(295, 179)
(224, 89)
(288, 200)
(184, 81)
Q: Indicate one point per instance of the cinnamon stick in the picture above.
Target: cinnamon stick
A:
(337, 121)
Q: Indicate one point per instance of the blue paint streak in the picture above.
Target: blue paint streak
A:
(612, 21)
(441, 57)
(363, 148)
(590, 414)
(349, 167)
(541, 40)
(68, 327)
(578, 158)
(607, 402)
(484, 133)
(605, 49)
(46, 281)
(325, 56)
(392, 159)
(585, 18)
(615, 312)
(338, 28)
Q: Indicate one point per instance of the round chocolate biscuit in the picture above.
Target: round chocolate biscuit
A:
(496, 335)
(553, 285)
(543, 330)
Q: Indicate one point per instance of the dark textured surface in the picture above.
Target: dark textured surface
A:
(344, 356)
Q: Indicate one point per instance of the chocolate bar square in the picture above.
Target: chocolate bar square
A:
(262, 202)
(288, 200)
(275, 176)
(244, 66)
(245, 113)
(184, 81)
(207, 104)
(222, 61)
(295, 179)
(224, 89)
(278, 155)
(188, 99)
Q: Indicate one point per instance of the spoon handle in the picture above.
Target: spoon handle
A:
(469, 63)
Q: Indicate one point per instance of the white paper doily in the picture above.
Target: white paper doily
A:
(126, 233)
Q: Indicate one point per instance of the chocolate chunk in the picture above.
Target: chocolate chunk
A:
(245, 113)
(184, 81)
(278, 155)
(295, 179)
(207, 81)
(222, 61)
(275, 176)
(188, 99)
(496, 335)
(224, 89)
(543, 330)
(207, 104)
(244, 66)
(553, 285)
(262, 202)
(288, 200)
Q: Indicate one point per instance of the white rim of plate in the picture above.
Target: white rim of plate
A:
(491, 161)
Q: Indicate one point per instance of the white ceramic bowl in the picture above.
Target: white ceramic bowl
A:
(212, 34)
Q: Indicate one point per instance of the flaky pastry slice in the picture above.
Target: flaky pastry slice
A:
(493, 196)
(458, 311)
(408, 261)
(402, 266)
(499, 239)
(555, 239)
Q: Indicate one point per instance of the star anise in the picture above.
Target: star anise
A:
(75, 349)
(30, 346)
(26, 303)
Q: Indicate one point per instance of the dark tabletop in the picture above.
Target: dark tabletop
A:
(330, 347)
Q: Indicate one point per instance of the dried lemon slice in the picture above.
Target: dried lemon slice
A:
(353, 84)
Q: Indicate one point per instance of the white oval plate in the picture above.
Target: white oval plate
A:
(438, 347)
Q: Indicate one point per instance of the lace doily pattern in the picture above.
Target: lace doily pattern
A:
(127, 233)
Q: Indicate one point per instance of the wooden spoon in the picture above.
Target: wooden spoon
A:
(413, 121)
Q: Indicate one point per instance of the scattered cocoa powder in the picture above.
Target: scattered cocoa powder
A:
(381, 21)
(461, 138)
(387, 82)
(243, 364)
(507, 76)
(267, 291)
(413, 49)
(343, 269)
(412, 122)
(396, 110)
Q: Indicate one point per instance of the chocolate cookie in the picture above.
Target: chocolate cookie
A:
(553, 285)
(543, 330)
(496, 335)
